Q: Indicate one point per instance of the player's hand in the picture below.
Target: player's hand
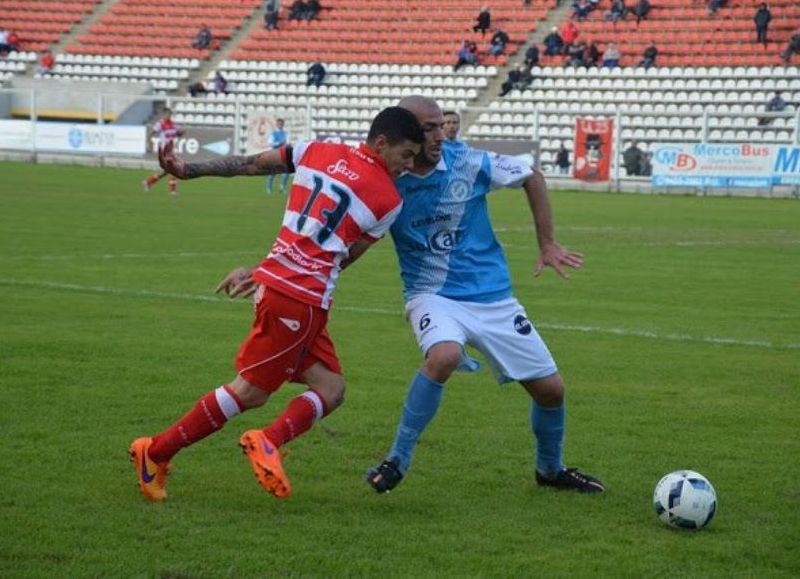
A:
(237, 283)
(557, 257)
(170, 162)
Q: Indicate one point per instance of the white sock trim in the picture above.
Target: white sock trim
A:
(316, 401)
(227, 403)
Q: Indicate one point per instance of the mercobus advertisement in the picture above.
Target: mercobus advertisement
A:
(725, 165)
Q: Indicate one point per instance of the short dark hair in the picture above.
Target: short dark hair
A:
(446, 113)
(396, 124)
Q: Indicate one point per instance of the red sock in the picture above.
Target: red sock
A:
(153, 179)
(300, 414)
(210, 414)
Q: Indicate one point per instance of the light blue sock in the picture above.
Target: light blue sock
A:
(548, 426)
(270, 180)
(422, 402)
(284, 181)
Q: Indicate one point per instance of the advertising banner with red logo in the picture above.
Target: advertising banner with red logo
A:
(593, 142)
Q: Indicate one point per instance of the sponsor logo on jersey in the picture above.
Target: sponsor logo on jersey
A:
(459, 189)
(341, 168)
(444, 241)
(522, 325)
(509, 168)
(299, 259)
(430, 220)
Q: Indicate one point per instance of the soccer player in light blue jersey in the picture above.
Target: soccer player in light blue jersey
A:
(458, 291)
(277, 139)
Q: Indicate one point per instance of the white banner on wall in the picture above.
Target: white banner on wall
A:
(73, 138)
(728, 165)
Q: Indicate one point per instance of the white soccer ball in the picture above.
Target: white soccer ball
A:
(685, 499)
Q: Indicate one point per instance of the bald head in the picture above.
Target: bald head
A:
(419, 105)
(431, 118)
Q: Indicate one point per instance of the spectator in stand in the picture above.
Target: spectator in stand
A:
(197, 88)
(617, 12)
(497, 45)
(593, 5)
(467, 54)
(220, 83)
(203, 38)
(792, 47)
(316, 74)
(580, 10)
(484, 21)
(532, 56)
(312, 9)
(46, 63)
(762, 19)
(611, 56)
(271, 18)
(569, 34)
(715, 5)
(576, 54)
(775, 105)
(632, 159)
(514, 77)
(13, 41)
(641, 10)
(553, 43)
(562, 160)
(592, 55)
(649, 56)
(298, 10)
(9, 41)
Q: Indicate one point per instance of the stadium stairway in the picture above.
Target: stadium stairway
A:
(490, 93)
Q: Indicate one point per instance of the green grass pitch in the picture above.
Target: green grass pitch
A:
(679, 341)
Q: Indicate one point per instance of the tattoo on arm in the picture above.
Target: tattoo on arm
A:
(232, 166)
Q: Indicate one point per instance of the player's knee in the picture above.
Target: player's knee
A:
(442, 360)
(547, 391)
(249, 395)
(328, 384)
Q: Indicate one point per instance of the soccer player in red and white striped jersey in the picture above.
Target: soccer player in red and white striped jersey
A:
(165, 131)
(342, 197)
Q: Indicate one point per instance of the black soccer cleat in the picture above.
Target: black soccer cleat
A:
(385, 476)
(572, 479)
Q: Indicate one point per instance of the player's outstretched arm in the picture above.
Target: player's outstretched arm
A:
(550, 253)
(266, 163)
(237, 283)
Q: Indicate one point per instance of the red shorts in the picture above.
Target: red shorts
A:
(286, 339)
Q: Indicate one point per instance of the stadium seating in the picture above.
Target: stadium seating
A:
(378, 32)
(40, 23)
(656, 105)
(165, 74)
(162, 29)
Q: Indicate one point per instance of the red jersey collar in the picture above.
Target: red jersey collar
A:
(364, 149)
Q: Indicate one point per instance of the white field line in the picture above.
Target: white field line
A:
(625, 332)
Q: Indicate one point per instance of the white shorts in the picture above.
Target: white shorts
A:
(501, 331)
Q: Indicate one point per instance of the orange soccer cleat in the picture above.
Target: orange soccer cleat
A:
(265, 458)
(152, 475)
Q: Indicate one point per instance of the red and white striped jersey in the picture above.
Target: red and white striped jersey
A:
(165, 130)
(341, 194)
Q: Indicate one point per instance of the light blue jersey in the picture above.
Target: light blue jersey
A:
(443, 236)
